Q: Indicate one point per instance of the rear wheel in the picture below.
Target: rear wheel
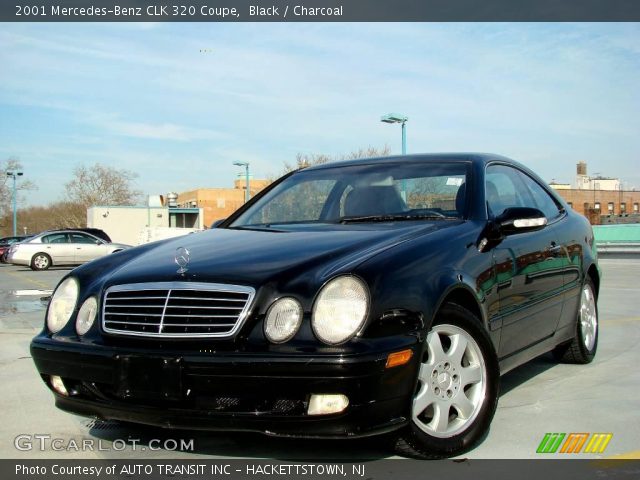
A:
(582, 348)
(40, 261)
(457, 390)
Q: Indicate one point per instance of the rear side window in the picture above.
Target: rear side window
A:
(542, 200)
(81, 238)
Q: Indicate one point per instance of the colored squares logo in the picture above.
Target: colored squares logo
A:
(574, 443)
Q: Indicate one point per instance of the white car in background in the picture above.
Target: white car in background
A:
(61, 247)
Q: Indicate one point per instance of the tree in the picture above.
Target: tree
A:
(36, 219)
(6, 190)
(304, 160)
(102, 185)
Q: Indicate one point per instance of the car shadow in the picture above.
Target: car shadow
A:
(50, 269)
(240, 444)
(526, 372)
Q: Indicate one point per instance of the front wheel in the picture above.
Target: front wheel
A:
(457, 389)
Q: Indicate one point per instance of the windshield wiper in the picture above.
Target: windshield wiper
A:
(393, 218)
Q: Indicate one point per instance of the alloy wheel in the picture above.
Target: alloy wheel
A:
(588, 317)
(452, 382)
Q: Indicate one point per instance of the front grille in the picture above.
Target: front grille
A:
(176, 309)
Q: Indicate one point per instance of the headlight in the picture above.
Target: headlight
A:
(340, 309)
(283, 320)
(62, 304)
(86, 315)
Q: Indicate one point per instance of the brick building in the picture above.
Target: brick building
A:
(602, 203)
(600, 199)
(218, 203)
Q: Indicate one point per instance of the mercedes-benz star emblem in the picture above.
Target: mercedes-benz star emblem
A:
(182, 259)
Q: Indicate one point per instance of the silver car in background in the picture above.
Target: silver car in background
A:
(60, 247)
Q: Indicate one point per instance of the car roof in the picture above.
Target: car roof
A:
(476, 158)
(95, 232)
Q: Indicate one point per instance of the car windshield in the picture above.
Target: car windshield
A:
(376, 192)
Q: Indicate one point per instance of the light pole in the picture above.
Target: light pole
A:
(15, 175)
(401, 119)
(246, 178)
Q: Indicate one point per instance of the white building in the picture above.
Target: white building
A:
(137, 225)
(598, 182)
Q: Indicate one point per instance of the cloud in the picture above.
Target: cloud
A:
(162, 131)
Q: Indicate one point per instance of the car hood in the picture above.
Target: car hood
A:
(118, 245)
(249, 257)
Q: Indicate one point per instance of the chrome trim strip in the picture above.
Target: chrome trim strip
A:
(163, 311)
(133, 323)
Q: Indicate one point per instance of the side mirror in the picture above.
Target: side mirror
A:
(217, 222)
(520, 220)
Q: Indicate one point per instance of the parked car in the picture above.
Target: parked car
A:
(365, 297)
(59, 248)
(6, 242)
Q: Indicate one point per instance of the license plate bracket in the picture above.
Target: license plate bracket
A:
(149, 378)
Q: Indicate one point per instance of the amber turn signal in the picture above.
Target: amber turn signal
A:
(398, 358)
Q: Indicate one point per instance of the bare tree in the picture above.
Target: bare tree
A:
(35, 219)
(102, 185)
(304, 160)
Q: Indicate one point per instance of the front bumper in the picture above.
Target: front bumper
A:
(229, 390)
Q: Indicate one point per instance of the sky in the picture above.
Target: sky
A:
(178, 103)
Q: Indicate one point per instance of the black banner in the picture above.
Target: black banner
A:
(318, 10)
(401, 469)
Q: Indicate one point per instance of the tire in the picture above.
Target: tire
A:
(459, 374)
(40, 261)
(582, 348)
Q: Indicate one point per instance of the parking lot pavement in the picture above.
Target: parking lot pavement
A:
(542, 396)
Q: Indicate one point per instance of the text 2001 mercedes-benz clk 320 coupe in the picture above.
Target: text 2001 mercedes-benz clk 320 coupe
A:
(350, 299)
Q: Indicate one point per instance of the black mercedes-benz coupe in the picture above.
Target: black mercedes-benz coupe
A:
(374, 296)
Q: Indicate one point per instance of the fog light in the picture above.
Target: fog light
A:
(58, 385)
(325, 404)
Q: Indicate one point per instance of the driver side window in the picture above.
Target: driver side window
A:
(507, 187)
(501, 190)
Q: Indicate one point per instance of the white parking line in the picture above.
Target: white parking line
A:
(20, 293)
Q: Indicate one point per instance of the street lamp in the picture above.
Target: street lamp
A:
(401, 119)
(15, 175)
(246, 178)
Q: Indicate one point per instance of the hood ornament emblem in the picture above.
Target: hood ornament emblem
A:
(182, 259)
